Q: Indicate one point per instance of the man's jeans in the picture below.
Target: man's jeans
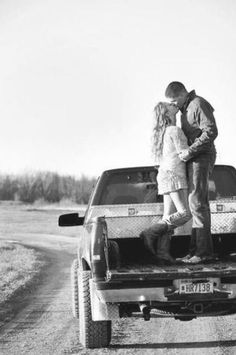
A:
(199, 170)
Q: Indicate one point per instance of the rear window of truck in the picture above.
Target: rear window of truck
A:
(140, 186)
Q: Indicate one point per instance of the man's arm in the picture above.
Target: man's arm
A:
(206, 120)
(180, 142)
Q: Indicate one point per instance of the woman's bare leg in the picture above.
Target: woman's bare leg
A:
(180, 201)
(169, 206)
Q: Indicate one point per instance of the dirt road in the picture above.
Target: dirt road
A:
(45, 326)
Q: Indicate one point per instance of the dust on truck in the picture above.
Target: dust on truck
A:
(113, 277)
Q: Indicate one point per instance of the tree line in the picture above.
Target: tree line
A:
(48, 186)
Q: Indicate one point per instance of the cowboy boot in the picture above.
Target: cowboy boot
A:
(149, 241)
(150, 236)
(163, 250)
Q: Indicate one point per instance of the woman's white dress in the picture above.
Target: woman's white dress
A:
(172, 171)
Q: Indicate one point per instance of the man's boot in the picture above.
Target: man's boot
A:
(204, 247)
(151, 235)
(192, 248)
(163, 250)
(204, 243)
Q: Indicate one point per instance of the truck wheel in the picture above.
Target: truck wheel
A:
(92, 334)
(75, 289)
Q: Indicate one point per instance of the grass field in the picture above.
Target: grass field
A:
(21, 266)
(18, 218)
(18, 266)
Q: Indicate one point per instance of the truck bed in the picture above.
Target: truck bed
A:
(219, 268)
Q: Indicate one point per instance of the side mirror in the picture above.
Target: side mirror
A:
(70, 220)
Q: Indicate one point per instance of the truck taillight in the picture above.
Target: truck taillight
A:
(99, 245)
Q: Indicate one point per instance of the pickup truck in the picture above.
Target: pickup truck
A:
(114, 276)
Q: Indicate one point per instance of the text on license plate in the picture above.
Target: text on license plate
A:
(196, 287)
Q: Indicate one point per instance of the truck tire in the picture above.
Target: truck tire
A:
(75, 289)
(92, 334)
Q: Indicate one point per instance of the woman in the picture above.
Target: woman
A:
(169, 141)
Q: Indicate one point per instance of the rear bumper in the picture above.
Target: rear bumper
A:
(126, 293)
(120, 293)
(132, 295)
(114, 303)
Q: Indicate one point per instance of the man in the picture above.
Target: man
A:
(199, 126)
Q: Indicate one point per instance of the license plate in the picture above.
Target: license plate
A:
(195, 287)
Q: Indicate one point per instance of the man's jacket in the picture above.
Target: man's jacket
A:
(198, 124)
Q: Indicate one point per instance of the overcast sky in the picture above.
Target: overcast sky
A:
(79, 78)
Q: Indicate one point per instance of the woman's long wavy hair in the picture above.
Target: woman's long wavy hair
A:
(161, 122)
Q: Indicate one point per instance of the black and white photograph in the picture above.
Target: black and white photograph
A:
(117, 177)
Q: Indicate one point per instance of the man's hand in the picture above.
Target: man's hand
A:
(184, 155)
